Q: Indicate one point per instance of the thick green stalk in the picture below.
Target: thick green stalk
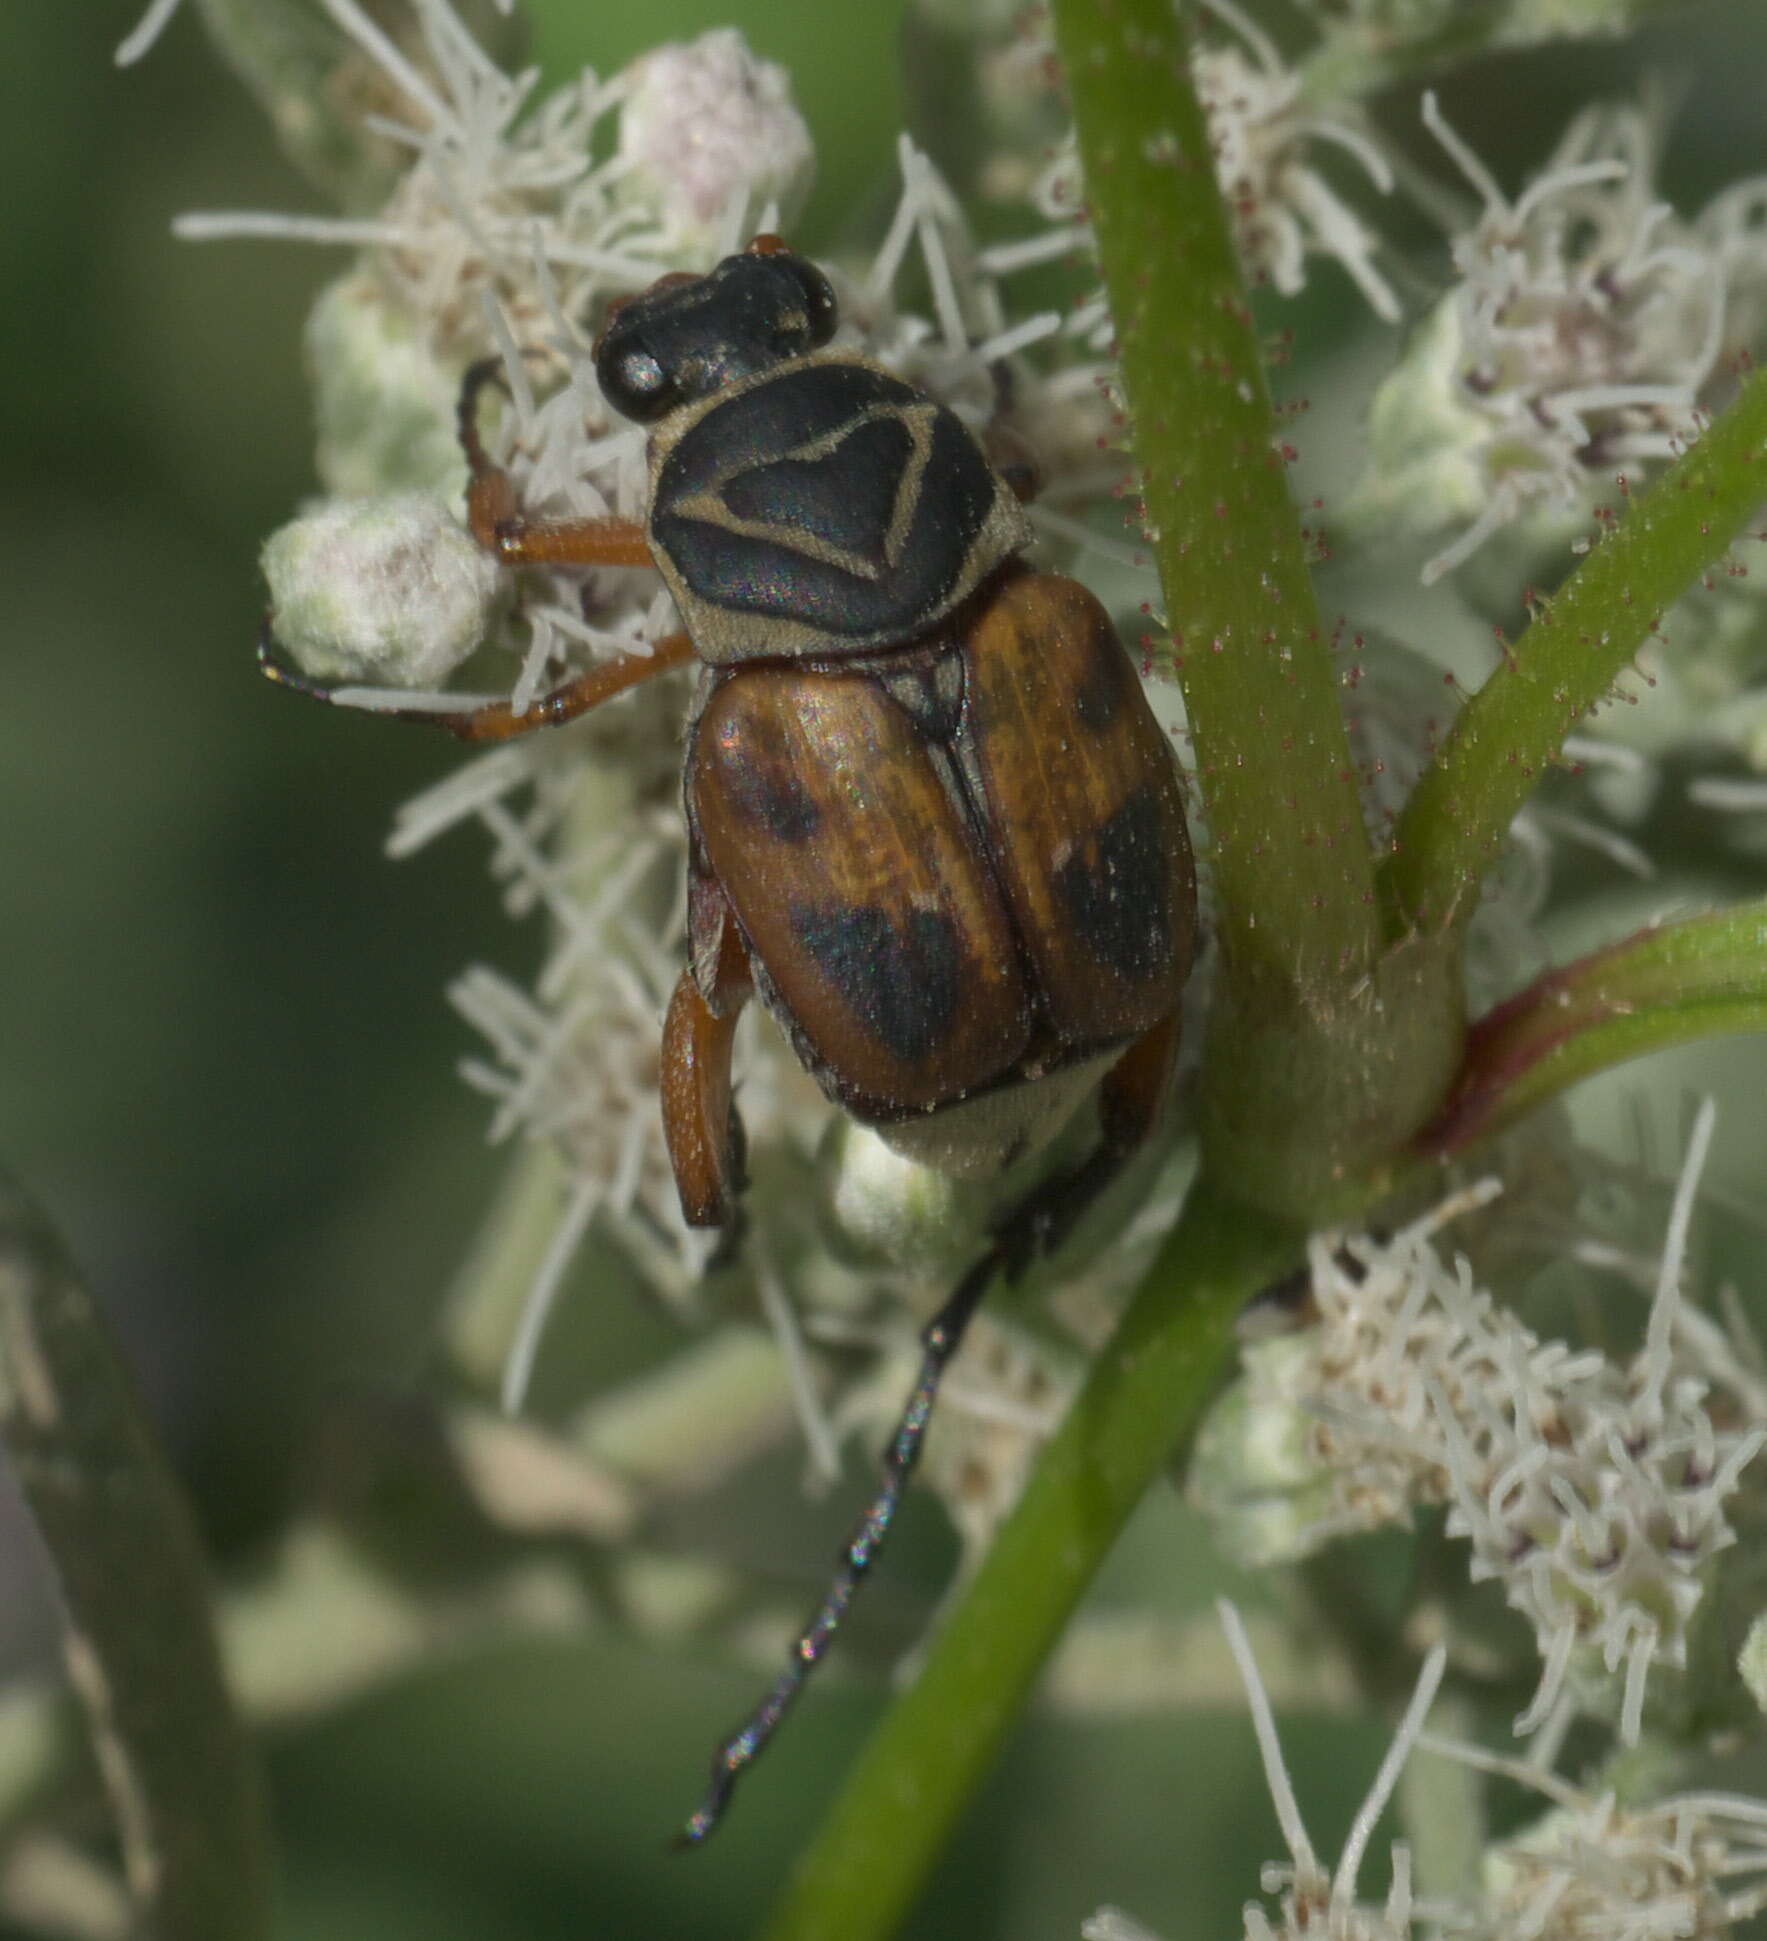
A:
(1666, 986)
(1292, 868)
(1143, 1397)
(139, 1638)
(1456, 823)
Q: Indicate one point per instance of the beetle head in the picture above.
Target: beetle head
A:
(686, 337)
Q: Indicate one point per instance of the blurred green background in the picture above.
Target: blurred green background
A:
(226, 1064)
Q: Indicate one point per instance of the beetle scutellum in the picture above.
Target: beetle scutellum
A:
(931, 819)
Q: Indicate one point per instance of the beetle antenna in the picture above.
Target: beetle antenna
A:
(939, 1341)
(488, 370)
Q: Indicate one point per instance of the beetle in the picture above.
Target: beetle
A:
(932, 822)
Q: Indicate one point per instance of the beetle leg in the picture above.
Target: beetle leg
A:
(1129, 1100)
(497, 720)
(940, 1340)
(701, 1125)
(497, 522)
(519, 541)
(1010, 454)
(1013, 458)
(495, 517)
(1129, 1105)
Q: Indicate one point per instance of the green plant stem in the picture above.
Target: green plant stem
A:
(139, 1636)
(1666, 986)
(1293, 874)
(1143, 1397)
(1455, 825)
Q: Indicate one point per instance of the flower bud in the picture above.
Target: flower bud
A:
(383, 399)
(386, 591)
(1255, 1474)
(705, 120)
(882, 1203)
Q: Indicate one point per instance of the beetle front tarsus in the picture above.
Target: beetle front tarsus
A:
(274, 665)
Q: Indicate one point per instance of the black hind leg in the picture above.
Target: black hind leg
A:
(1129, 1104)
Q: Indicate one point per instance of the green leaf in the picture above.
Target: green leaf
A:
(1456, 823)
(1666, 986)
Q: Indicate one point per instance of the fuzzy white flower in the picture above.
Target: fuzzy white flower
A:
(1689, 1867)
(706, 120)
(1593, 1493)
(1686, 1867)
(1595, 1867)
(1266, 139)
(386, 590)
(1586, 332)
(1317, 1903)
(384, 394)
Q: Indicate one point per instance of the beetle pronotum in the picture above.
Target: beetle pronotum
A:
(931, 819)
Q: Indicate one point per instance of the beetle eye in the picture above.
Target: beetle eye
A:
(633, 381)
(819, 301)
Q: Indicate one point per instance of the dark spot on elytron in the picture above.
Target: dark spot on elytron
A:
(768, 794)
(846, 498)
(1100, 692)
(1115, 890)
(902, 981)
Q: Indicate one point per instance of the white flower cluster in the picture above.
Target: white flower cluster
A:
(1689, 1867)
(1383, 24)
(1284, 210)
(519, 219)
(1593, 1493)
(1266, 138)
(1317, 1903)
(1693, 1866)
(504, 238)
(1587, 331)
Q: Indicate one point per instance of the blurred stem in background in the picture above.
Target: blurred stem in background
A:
(139, 1638)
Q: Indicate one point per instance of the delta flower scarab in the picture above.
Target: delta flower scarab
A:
(932, 822)
(922, 817)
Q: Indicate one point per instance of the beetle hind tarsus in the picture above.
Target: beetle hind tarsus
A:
(1036, 1226)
